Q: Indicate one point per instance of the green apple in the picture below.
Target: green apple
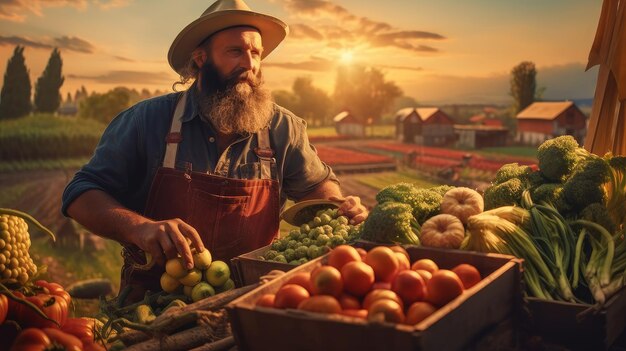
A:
(201, 290)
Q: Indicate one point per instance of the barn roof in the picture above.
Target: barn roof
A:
(340, 116)
(424, 113)
(544, 110)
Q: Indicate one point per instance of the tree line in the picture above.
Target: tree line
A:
(362, 91)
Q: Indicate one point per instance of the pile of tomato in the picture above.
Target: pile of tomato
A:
(379, 285)
(36, 318)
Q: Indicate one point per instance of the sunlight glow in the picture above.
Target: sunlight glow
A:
(346, 56)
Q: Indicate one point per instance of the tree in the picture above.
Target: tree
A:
(104, 107)
(286, 99)
(523, 85)
(313, 103)
(364, 92)
(15, 94)
(48, 87)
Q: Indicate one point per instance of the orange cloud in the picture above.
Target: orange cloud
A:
(64, 43)
(17, 10)
(125, 77)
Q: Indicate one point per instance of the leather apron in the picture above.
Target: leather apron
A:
(232, 216)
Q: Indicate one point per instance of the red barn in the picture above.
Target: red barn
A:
(425, 126)
(544, 120)
(347, 124)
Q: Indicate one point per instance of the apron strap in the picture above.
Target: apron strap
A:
(265, 153)
(174, 137)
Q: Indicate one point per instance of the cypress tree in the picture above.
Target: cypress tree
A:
(15, 94)
(48, 87)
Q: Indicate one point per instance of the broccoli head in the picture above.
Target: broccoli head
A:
(551, 193)
(405, 193)
(616, 190)
(598, 213)
(441, 189)
(391, 222)
(428, 205)
(510, 171)
(586, 184)
(558, 157)
(504, 194)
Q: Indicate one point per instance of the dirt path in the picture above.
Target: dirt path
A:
(351, 186)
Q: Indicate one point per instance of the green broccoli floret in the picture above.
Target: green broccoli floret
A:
(598, 213)
(616, 190)
(558, 157)
(551, 193)
(535, 179)
(405, 193)
(510, 171)
(504, 194)
(391, 222)
(441, 189)
(425, 203)
(586, 184)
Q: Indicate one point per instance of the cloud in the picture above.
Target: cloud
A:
(353, 29)
(128, 77)
(405, 68)
(302, 31)
(124, 59)
(314, 65)
(64, 43)
(17, 10)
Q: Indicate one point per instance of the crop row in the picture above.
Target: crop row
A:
(339, 156)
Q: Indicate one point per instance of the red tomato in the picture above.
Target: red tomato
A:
(4, 308)
(326, 280)
(361, 252)
(381, 285)
(55, 307)
(410, 286)
(341, 255)
(384, 262)
(380, 294)
(418, 312)
(468, 274)
(400, 249)
(426, 275)
(349, 302)
(425, 264)
(54, 289)
(290, 296)
(358, 278)
(320, 304)
(31, 339)
(443, 287)
(403, 262)
(68, 341)
(360, 313)
(303, 279)
(385, 310)
(266, 300)
(82, 328)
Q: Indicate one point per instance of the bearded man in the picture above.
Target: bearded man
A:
(211, 166)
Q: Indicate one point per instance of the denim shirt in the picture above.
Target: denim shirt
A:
(132, 148)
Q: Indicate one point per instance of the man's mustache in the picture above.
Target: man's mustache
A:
(241, 75)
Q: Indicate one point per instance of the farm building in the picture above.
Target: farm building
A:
(480, 136)
(424, 126)
(544, 120)
(347, 124)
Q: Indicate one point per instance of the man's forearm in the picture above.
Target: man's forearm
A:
(325, 190)
(104, 216)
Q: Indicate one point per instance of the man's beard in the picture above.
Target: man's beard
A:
(236, 104)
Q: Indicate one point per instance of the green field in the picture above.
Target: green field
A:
(376, 131)
(381, 180)
(520, 151)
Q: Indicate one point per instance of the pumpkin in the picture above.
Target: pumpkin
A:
(444, 231)
(462, 202)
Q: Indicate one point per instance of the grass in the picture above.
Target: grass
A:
(520, 151)
(375, 131)
(49, 164)
(381, 180)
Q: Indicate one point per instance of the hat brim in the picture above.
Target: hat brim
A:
(304, 211)
(273, 32)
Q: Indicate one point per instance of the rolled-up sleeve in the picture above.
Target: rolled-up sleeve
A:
(113, 164)
(303, 169)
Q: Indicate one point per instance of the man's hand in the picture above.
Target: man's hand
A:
(167, 239)
(352, 208)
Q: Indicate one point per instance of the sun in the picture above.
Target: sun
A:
(346, 56)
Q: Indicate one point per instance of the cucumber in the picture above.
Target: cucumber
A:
(90, 288)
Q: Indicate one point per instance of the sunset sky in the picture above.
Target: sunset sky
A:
(438, 51)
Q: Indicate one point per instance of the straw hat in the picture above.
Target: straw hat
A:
(221, 15)
(303, 211)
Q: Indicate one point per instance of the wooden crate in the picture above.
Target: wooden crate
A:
(579, 326)
(248, 268)
(460, 323)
